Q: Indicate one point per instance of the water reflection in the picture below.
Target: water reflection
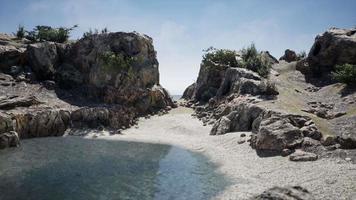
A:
(77, 168)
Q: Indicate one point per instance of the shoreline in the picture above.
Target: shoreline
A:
(325, 178)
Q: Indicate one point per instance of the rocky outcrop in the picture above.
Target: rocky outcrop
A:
(42, 123)
(333, 47)
(11, 53)
(273, 131)
(285, 193)
(102, 80)
(289, 56)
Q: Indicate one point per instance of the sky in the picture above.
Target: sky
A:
(181, 29)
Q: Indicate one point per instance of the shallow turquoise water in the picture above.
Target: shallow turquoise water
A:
(85, 169)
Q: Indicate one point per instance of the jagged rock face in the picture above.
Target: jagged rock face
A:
(43, 58)
(285, 193)
(208, 82)
(334, 47)
(289, 56)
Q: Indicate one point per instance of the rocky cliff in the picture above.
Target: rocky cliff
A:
(281, 110)
(102, 80)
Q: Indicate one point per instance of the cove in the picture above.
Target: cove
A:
(76, 168)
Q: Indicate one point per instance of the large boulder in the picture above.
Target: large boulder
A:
(189, 92)
(279, 131)
(289, 56)
(285, 193)
(9, 139)
(241, 118)
(334, 47)
(42, 123)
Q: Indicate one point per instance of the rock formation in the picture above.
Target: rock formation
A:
(285, 193)
(103, 80)
(289, 56)
(236, 99)
(333, 47)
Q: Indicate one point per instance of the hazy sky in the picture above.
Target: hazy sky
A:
(181, 29)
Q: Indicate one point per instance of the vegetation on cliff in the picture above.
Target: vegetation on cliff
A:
(45, 33)
(249, 58)
(345, 73)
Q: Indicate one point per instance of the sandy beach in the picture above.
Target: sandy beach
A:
(326, 178)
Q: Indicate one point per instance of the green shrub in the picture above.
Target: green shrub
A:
(95, 32)
(252, 60)
(345, 73)
(20, 33)
(47, 33)
(220, 57)
(115, 62)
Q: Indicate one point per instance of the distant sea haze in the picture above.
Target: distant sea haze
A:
(176, 97)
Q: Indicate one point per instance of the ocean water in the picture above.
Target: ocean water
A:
(93, 169)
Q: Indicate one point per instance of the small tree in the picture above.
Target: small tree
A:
(20, 33)
(47, 33)
(252, 60)
(345, 73)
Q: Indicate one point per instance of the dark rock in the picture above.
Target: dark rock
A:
(43, 58)
(9, 139)
(285, 193)
(289, 56)
(347, 140)
(328, 140)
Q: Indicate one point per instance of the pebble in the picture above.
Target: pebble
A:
(348, 159)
